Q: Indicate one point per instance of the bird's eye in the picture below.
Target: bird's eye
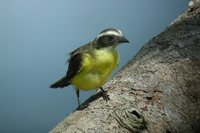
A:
(106, 40)
(109, 38)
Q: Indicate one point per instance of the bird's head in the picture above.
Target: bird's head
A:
(109, 38)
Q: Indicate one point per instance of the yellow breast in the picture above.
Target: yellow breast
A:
(97, 66)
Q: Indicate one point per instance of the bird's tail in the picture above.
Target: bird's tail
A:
(60, 83)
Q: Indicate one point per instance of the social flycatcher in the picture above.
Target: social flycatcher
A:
(91, 65)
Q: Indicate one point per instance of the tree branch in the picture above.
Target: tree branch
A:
(156, 91)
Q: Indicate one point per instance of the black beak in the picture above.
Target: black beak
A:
(123, 40)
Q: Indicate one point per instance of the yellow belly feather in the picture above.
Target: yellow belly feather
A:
(97, 66)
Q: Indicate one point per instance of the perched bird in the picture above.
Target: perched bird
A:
(91, 65)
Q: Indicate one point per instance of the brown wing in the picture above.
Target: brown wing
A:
(75, 60)
(74, 66)
(82, 49)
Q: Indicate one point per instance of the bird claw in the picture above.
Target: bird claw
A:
(81, 107)
(105, 96)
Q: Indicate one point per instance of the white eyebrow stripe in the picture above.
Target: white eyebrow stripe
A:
(120, 32)
(111, 33)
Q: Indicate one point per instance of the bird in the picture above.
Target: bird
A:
(91, 65)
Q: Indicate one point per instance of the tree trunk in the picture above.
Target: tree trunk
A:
(155, 92)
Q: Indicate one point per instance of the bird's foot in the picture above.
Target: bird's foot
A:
(81, 107)
(105, 95)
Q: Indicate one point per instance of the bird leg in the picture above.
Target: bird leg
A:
(77, 96)
(104, 94)
(80, 107)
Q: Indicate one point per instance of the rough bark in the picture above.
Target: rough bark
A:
(157, 91)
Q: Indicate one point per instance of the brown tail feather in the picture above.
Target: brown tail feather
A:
(63, 82)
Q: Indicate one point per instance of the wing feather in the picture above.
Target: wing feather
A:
(75, 60)
(74, 67)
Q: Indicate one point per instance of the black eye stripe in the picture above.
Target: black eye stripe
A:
(106, 41)
(107, 38)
